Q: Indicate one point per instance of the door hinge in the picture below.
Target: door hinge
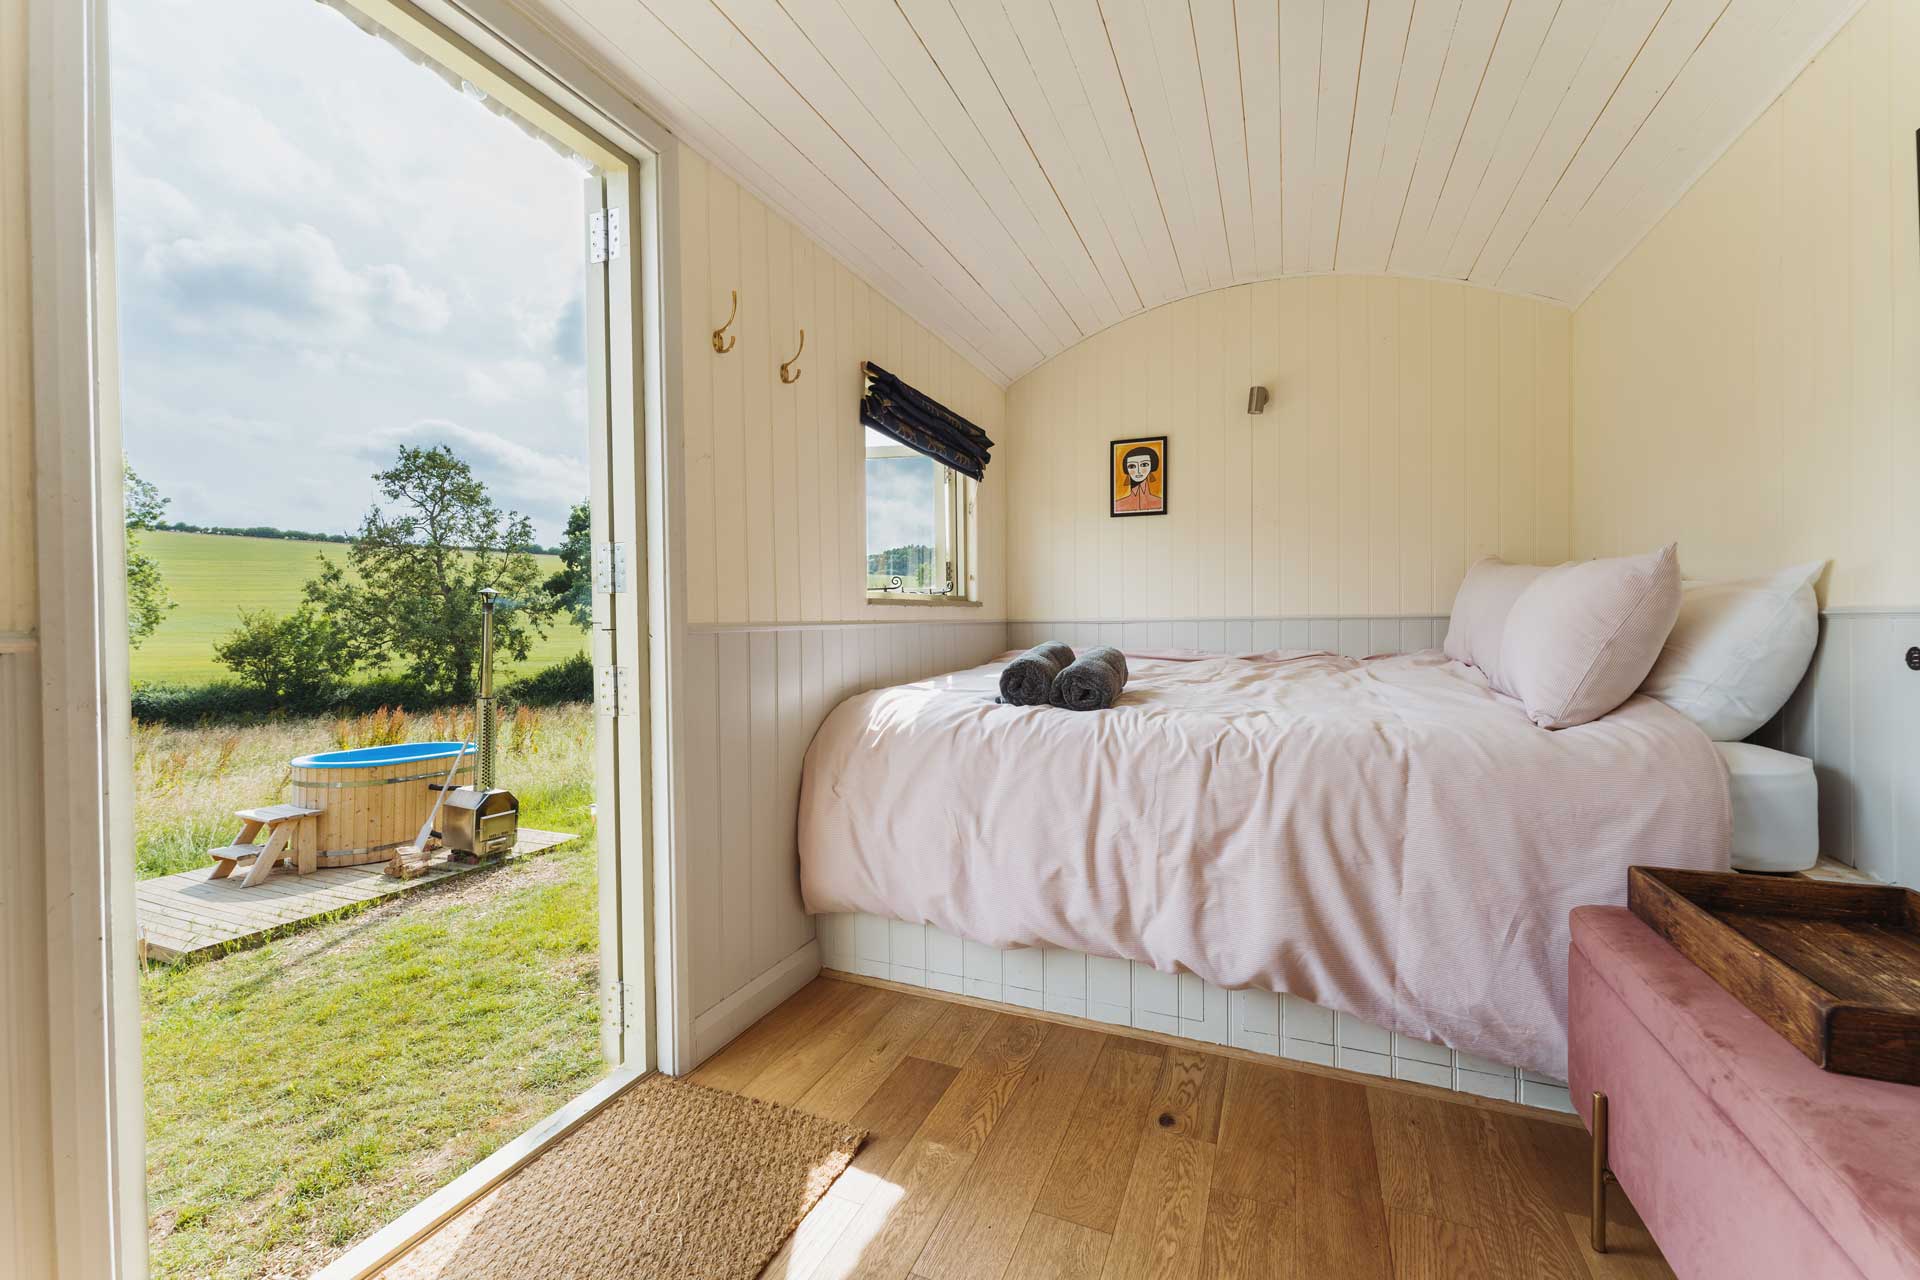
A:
(620, 1007)
(616, 691)
(610, 568)
(606, 234)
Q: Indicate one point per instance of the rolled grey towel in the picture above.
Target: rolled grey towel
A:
(1092, 681)
(1028, 680)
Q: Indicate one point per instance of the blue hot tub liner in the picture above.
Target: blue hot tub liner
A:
(370, 757)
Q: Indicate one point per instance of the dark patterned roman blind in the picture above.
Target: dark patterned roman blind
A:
(922, 423)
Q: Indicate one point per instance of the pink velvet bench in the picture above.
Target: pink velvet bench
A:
(1742, 1157)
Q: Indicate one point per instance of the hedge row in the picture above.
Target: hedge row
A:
(228, 702)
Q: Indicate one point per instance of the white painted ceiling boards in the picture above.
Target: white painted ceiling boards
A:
(1022, 173)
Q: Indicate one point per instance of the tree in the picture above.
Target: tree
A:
(148, 602)
(414, 590)
(301, 659)
(571, 588)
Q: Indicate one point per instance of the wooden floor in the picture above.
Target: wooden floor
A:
(1007, 1146)
(187, 913)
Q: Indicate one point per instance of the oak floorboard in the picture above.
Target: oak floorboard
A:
(1245, 1239)
(840, 1091)
(803, 1251)
(891, 1229)
(1431, 1159)
(789, 1077)
(1187, 1104)
(1429, 1248)
(904, 1206)
(748, 1053)
(891, 1117)
(1631, 1253)
(1256, 1122)
(1528, 1236)
(1164, 1216)
(954, 1034)
(1090, 1171)
(1053, 1249)
(1280, 1174)
(1340, 1223)
(976, 1238)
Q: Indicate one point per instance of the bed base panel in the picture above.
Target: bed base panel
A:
(1127, 993)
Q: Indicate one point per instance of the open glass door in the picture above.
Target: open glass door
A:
(330, 1051)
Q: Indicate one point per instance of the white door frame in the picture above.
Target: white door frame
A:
(96, 1129)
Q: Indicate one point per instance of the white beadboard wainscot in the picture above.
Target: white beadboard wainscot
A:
(1131, 994)
(752, 698)
(1413, 428)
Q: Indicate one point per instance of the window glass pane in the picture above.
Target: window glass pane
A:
(901, 514)
(877, 441)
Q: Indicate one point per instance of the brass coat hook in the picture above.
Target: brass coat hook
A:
(786, 369)
(724, 345)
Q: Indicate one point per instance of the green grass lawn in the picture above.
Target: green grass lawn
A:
(212, 577)
(305, 1092)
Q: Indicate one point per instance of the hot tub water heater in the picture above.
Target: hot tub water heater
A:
(481, 821)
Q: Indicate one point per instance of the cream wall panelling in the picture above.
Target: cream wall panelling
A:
(1746, 381)
(751, 699)
(1414, 426)
(1021, 175)
(774, 498)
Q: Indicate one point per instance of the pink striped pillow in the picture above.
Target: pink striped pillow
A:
(1583, 636)
(1480, 610)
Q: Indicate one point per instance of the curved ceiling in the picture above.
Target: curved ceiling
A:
(1020, 175)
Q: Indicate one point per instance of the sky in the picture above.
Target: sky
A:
(325, 251)
(900, 500)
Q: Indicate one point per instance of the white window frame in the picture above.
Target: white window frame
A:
(954, 535)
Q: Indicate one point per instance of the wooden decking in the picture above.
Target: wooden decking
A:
(1003, 1146)
(187, 913)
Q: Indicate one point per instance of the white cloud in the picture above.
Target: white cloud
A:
(506, 380)
(318, 239)
(519, 476)
(406, 303)
(284, 284)
(900, 503)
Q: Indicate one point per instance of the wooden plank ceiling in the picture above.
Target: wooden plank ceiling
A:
(1021, 174)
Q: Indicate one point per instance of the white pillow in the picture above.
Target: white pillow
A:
(1739, 650)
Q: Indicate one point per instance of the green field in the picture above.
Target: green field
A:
(212, 577)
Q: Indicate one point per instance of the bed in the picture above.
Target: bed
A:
(1387, 837)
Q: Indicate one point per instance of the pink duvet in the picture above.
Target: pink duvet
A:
(1386, 837)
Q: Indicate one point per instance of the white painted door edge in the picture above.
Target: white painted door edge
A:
(391, 1241)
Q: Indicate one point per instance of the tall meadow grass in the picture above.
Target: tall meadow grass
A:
(188, 782)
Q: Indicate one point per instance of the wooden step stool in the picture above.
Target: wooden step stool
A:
(291, 837)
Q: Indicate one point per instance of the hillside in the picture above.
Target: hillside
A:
(212, 578)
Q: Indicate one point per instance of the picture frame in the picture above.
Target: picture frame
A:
(1138, 469)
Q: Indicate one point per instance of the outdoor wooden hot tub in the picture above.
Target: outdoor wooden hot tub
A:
(373, 798)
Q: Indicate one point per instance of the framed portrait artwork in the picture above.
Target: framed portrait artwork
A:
(1137, 476)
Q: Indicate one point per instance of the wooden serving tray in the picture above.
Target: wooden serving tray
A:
(1835, 968)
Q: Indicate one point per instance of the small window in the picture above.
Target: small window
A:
(919, 525)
